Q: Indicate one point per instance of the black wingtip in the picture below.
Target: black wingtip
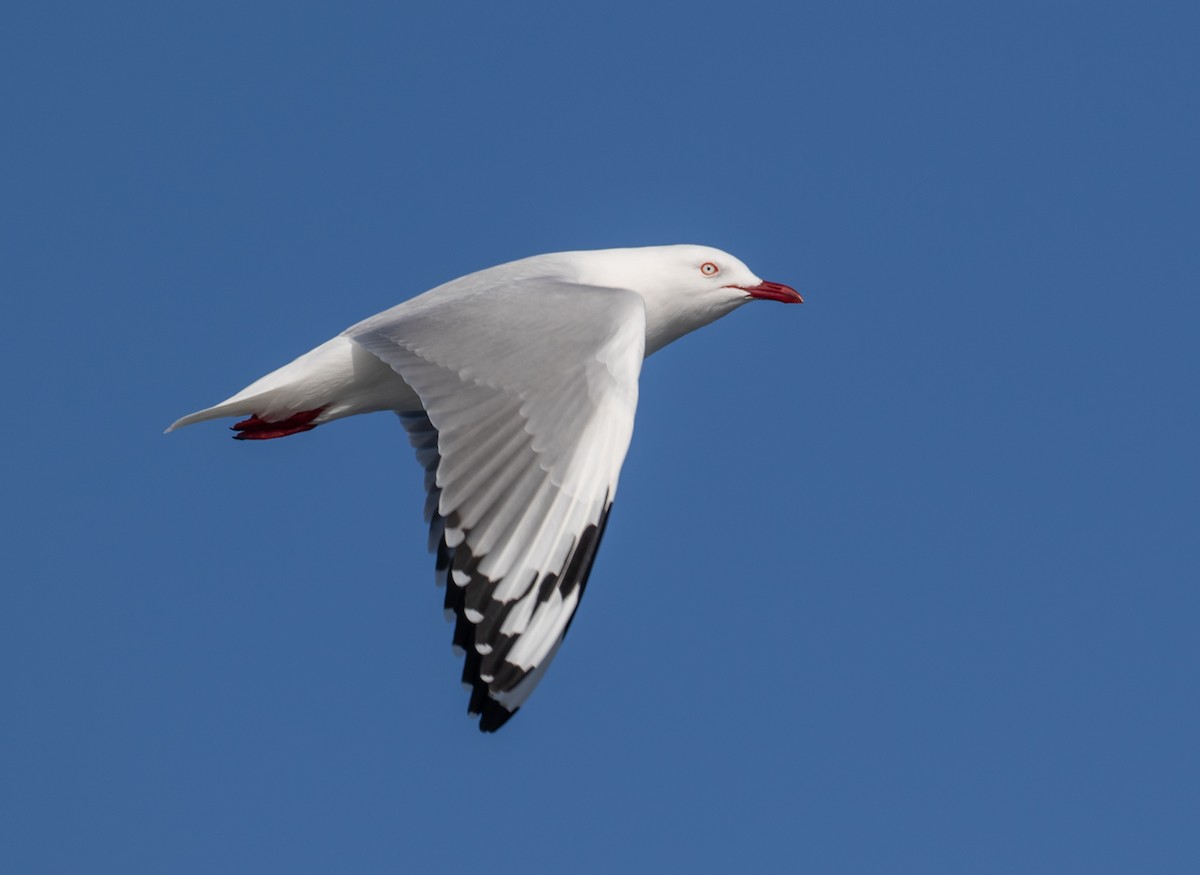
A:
(494, 716)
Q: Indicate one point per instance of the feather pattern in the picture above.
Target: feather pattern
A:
(522, 446)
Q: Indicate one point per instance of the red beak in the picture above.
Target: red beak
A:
(773, 292)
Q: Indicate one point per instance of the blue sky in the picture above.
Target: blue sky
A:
(905, 579)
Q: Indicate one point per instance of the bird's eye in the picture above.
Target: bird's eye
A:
(709, 269)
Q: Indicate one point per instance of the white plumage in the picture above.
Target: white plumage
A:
(517, 386)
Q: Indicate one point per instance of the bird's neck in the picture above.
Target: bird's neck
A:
(667, 321)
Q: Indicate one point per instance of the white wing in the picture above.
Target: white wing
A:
(529, 393)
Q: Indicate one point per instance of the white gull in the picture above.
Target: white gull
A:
(517, 386)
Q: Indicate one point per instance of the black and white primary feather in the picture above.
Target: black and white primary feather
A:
(517, 386)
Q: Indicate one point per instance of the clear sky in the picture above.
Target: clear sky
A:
(902, 580)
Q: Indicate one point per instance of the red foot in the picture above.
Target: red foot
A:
(255, 429)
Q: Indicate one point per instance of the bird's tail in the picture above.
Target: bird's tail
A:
(233, 407)
(286, 401)
(255, 428)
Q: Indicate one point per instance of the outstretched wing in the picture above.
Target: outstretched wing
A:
(529, 395)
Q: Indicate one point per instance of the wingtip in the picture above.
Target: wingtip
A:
(494, 716)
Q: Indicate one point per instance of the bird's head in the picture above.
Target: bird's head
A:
(684, 286)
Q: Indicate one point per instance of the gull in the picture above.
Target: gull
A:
(517, 386)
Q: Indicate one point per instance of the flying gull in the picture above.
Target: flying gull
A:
(517, 386)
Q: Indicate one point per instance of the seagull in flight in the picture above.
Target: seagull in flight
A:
(517, 386)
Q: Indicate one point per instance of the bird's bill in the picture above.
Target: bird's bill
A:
(773, 292)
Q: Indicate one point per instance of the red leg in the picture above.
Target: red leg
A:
(255, 429)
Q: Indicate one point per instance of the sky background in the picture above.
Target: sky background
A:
(902, 580)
